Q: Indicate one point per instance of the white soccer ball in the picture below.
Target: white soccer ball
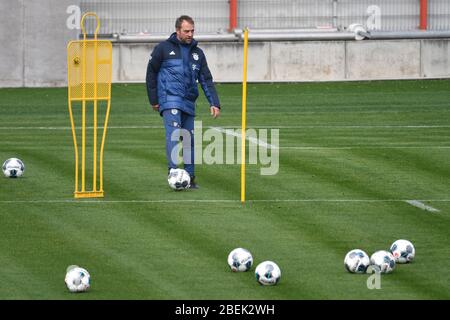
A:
(268, 273)
(384, 260)
(179, 179)
(356, 261)
(403, 251)
(13, 168)
(240, 260)
(77, 279)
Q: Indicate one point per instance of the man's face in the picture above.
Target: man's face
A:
(186, 33)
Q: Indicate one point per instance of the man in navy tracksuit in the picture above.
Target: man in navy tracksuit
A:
(174, 68)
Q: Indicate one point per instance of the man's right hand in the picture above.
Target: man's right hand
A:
(156, 107)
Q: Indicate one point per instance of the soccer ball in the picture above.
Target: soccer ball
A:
(267, 273)
(13, 168)
(77, 279)
(179, 179)
(403, 251)
(356, 261)
(240, 260)
(384, 260)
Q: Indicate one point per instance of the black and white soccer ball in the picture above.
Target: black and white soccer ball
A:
(240, 259)
(77, 279)
(268, 273)
(13, 168)
(384, 260)
(356, 261)
(179, 179)
(403, 251)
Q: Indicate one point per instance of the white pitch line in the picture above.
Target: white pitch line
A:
(35, 128)
(420, 205)
(116, 201)
(348, 127)
(251, 139)
(363, 147)
(81, 201)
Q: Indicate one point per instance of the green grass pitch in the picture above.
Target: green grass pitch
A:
(350, 155)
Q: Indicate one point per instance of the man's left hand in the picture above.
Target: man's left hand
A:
(215, 111)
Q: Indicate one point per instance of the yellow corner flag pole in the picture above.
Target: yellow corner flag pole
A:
(244, 116)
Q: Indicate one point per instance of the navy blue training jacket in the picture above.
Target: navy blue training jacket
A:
(172, 82)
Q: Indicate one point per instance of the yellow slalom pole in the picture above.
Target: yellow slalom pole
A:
(244, 116)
